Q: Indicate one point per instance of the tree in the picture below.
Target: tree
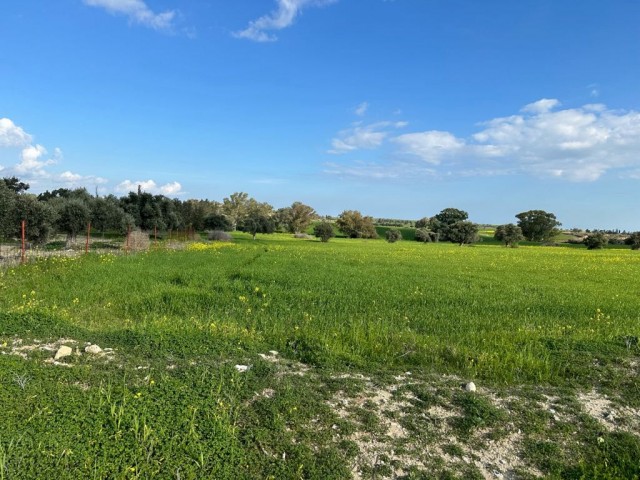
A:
(441, 222)
(354, 225)
(7, 205)
(235, 207)
(14, 184)
(538, 225)
(510, 235)
(595, 240)
(297, 217)
(39, 217)
(633, 240)
(324, 231)
(393, 235)
(217, 221)
(462, 232)
(424, 222)
(106, 214)
(256, 222)
(72, 217)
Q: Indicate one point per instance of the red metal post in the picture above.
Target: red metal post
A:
(86, 246)
(24, 224)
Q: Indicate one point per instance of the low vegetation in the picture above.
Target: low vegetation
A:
(291, 358)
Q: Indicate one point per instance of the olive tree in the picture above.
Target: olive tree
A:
(538, 225)
(595, 240)
(510, 235)
(463, 232)
(354, 225)
(324, 231)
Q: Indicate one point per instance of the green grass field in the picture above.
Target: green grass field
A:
(540, 329)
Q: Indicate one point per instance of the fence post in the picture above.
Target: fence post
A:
(86, 246)
(22, 256)
(126, 248)
(155, 235)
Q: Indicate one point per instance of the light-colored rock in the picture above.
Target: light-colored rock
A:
(242, 368)
(470, 387)
(63, 351)
(93, 349)
(273, 352)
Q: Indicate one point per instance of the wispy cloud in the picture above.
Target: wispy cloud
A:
(576, 144)
(11, 135)
(150, 186)
(137, 11)
(363, 137)
(282, 17)
(361, 109)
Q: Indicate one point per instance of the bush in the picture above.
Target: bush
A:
(462, 232)
(219, 236)
(324, 231)
(425, 235)
(218, 222)
(137, 241)
(634, 241)
(595, 240)
(393, 236)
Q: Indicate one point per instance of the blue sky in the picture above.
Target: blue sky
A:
(397, 108)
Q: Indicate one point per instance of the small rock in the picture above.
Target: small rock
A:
(63, 351)
(242, 368)
(470, 387)
(273, 352)
(94, 349)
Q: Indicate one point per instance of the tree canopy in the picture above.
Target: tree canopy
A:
(538, 225)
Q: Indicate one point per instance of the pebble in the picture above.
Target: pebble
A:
(63, 351)
(94, 349)
(470, 387)
(242, 368)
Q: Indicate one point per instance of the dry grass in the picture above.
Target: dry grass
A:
(137, 241)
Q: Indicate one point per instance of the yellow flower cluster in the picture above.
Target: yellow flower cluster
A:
(214, 246)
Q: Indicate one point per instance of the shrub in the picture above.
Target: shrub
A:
(138, 241)
(354, 225)
(634, 241)
(595, 240)
(219, 236)
(218, 222)
(324, 231)
(425, 235)
(393, 236)
(462, 232)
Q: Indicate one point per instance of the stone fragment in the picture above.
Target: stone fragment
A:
(242, 368)
(63, 351)
(93, 349)
(470, 387)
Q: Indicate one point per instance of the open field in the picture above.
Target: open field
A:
(373, 342)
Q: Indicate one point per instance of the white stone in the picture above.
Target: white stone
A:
(63, 351)
(242, 368)
(273, 352)
(470, 387)
(94, 349)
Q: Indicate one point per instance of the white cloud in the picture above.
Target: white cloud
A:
(31, 164)
(541, 106)
(363, 137)
(11, 135)
(575, 144)
(361, 109)
(137, 11)
(431, 146)
(282, 17)
(149, 186)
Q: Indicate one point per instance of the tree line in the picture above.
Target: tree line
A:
(69, 211)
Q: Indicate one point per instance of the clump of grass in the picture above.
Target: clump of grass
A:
(219, 236)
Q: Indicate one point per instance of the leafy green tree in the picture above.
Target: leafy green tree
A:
(39, 216)
(633, 240)
(510, 235)
(73, 217)
(538, 225)
(7, 205)
(324, 231)
(235, 207)
(595, 240)
(441, 222)
(424, 222)
(15, 185)
(462, 232)
(354, 225)
(106, 214)
(256, 222)
(393, 235)
(297, 217)
(217, 221)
